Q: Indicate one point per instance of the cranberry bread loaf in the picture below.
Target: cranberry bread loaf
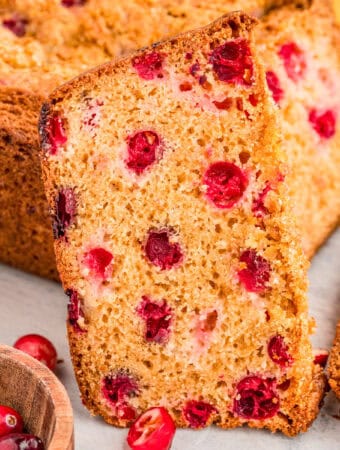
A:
(334, 364)
(301, 53)
(152, 167)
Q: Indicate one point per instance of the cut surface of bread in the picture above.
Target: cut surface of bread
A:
(334, 364)
(179, 295)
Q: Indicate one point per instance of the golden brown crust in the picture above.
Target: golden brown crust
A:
(334, 364)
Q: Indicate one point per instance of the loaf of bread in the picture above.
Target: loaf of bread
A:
(178, 295)
(46, 42)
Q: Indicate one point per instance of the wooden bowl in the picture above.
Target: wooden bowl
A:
(35, 392)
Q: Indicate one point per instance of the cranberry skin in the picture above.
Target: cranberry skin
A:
(39, 348)
(226, 184)
(64, 212)
(153, 430)
(149, 65)
(98, 260)
(18, 441)
(232, 62)
(158, 318)
(197, 413)
(143, 151)
(74, 309)
(10, 421)
(278, 351)
(160, 251)
(70, 3)
(257, 273)
(117, 389)
(294, 61)
(16, 24)
(275, 86)
(256, 398)
(324, 123)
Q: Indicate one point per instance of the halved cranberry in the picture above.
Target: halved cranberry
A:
(256, 398)
(10, 421)
(153, 430)
(257, 272)
(232, 62)
(70, 3)
(323, 122)
(149, 65)
(64, 212)
(226, 184)
(158, 317)
(160, 251)
(19, 441)
(39, 348)
(98, 261)
(321, 357)
(74, 309)
(16, 24)
(294, 60)
(275, 86)
(55, 134)
(117, 389)
(143, 150)
(197, 413)
(278, 351)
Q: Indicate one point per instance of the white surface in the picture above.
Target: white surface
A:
(31, 305)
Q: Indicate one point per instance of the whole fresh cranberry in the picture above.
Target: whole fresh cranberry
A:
(153, 430)
(232, 62)
(160, 251)
(149, 65)
(256, 398)
(16, 24)
(39, 348)
(278, 351)
(256, 274)
(197, 413)
(18, 441)
(226, 184)
(10, 421)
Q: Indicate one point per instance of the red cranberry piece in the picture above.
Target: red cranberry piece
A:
(39, 348)
(149, 65)
(321, 357)
(275, 86)
(16, 24)
(278, 351)
(70, 3)
(10, 421)
(19, 441)
(232, 62)
(160, 251)
(256, 398)
(294, 60)
(153, 430)
(257, 272)
(225, 183)
(158, 317)
(258, 207)
(117, 389)
(143, 150)
(55, 134)
(185, 86)
(74, 308)
(284, 385)
(324, 123)
(64, 213)
(197, 413)
(98, 260)
(225, 104)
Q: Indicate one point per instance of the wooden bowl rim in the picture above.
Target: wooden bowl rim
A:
(62, 437)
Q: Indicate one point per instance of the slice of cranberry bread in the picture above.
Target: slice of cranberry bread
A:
(178, 295)
(334, 364)
(300, 49)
